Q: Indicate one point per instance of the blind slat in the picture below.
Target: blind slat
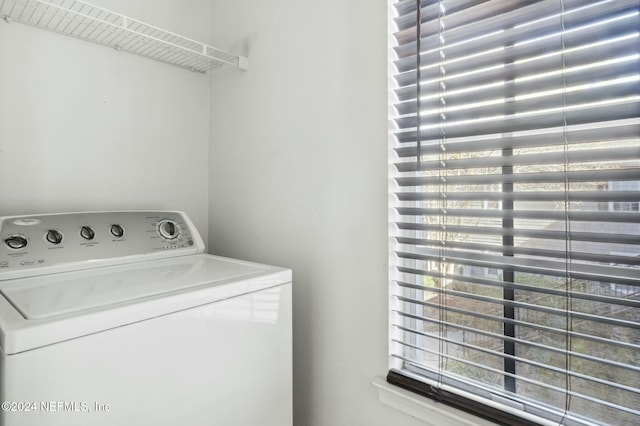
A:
(541, 177)
(540, 158)
(624, 108)
(597, 132)
(592, 272)
(523, 307)
(525, 233)
(542, 292)
(593, 256)
(594, 196)
(549, 215)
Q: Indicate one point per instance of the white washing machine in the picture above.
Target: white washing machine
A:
(118, 318)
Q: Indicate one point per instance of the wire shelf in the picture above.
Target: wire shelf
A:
(82, 20)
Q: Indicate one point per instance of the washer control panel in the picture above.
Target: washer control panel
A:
(40, 244)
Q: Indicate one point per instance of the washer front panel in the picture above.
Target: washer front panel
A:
(32, 245)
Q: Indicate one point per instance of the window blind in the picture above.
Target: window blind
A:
(514, 219)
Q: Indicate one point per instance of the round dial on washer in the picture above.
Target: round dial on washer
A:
(168, 229)
(117, 231)
(54, 236)
(87, 233)
(16, 242)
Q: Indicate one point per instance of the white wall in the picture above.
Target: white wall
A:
(298, 178)
(84, 127)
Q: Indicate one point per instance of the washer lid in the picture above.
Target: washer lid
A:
(48, 309)
(63, 294)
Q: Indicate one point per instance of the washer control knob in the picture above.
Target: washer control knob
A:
(54, 236)
(168, 230)
(117, 231)
(16, 242)
(87, 233)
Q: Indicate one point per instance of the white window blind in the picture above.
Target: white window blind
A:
(515, 232)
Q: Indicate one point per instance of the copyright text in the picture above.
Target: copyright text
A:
(55, 406)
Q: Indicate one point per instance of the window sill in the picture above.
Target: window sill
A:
(425, 409)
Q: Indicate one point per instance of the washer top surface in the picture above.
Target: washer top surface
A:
(50, 296)
(47, 309)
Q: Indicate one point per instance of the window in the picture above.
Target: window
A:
(625, 206)
(491, 272)
(515, 231)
